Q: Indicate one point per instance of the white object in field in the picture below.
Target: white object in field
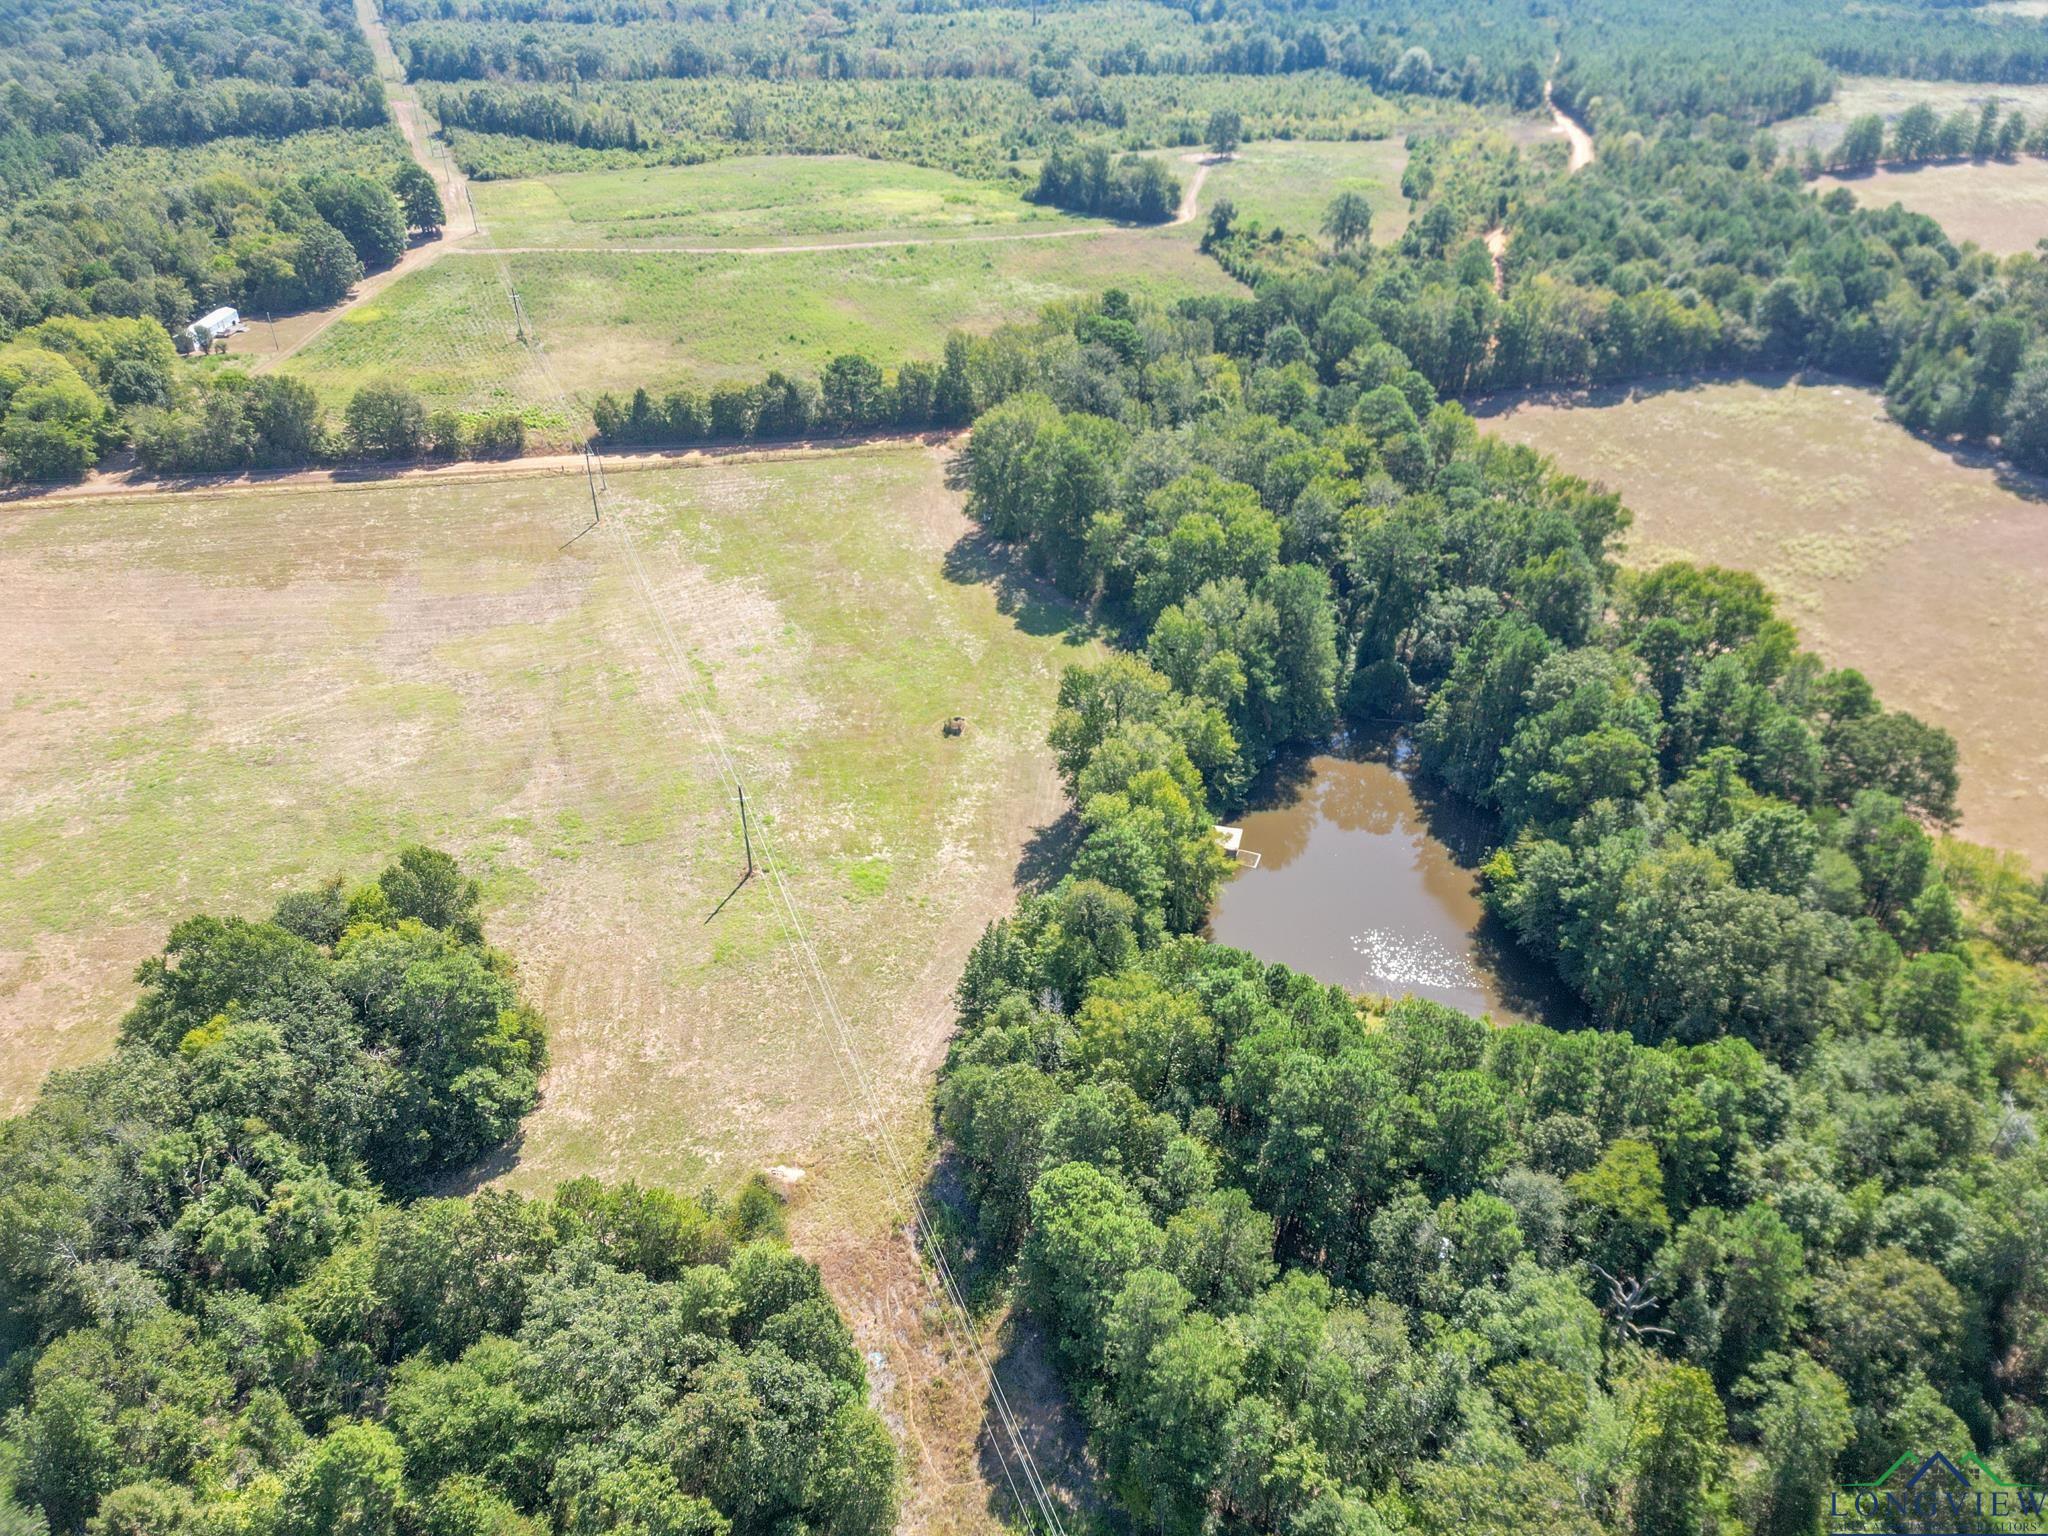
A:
(213, 325)
(1232, 840)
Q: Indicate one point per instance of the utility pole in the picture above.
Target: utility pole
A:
(746, 835)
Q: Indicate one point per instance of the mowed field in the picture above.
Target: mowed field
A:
(1928, 574)
(213, 699)
(614, 321)
(2000, 204)
(1289, 184)
(752, 200)
(210, 699)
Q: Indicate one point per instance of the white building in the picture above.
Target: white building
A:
(211, 327)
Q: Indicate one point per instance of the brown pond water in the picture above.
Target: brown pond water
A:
(1362, 885)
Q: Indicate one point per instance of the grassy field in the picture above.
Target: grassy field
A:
(612, 321)
(1859, 95)
(213, 698)
(1927, 573)
(210, 699)
(2001, 205)
(1289, 184)
(758, 199)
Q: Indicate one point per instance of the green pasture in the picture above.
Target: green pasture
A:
(752, 200)
(659, 319)
(214, 699)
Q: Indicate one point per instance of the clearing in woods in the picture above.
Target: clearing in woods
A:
(1925, 570)
(211, 699)
(756, 199)
(1860, 95)
(2000, 204)
(672, 317)
(1288, 184)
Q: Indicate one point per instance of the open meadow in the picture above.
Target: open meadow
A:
(751, 200)
(213, 697)
(1927, 572)
(1289, 184)
(664, 318)
(2000, 204)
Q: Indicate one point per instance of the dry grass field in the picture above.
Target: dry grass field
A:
(213, 698)
(1859, 95)
(2001, 205)
(1928, 573)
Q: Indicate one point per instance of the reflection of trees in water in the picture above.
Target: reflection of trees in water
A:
(1364, 796)
(1277, 819)
(1357, 791)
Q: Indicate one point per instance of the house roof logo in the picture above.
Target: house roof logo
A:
(1920, 1495)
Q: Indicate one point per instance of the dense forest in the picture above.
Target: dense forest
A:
(1631, 64)
(227, 1306)
(1314, 1264)
(76, 80)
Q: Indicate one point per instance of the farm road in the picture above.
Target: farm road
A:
(130, 484)
(299, 331)
(1574, 131)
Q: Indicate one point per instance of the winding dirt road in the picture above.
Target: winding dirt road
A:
(1190, 198)
(1574, 131)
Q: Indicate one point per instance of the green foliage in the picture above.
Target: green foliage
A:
(1673, 1273)
(1136, 187)
(386, 421)
(220, 1316)
(419, 198)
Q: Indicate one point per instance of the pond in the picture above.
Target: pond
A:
(1359, 884)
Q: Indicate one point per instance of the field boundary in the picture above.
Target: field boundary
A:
(128, 486)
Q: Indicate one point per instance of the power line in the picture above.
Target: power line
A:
(890, 1161)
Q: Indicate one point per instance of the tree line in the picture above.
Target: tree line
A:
(109, 72)
(72, 391)
(226, 1307)
(851, 394)
(1690, 250)
(1311, 1263)
(1921, 134)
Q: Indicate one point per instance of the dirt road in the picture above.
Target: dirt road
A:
(137, 486)
(1190, 199)
(1575, 133)
(292, 334)
(1497, 248)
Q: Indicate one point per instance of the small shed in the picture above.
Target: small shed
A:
(212, 326)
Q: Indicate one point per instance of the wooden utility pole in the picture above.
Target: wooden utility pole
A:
(745, 835)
